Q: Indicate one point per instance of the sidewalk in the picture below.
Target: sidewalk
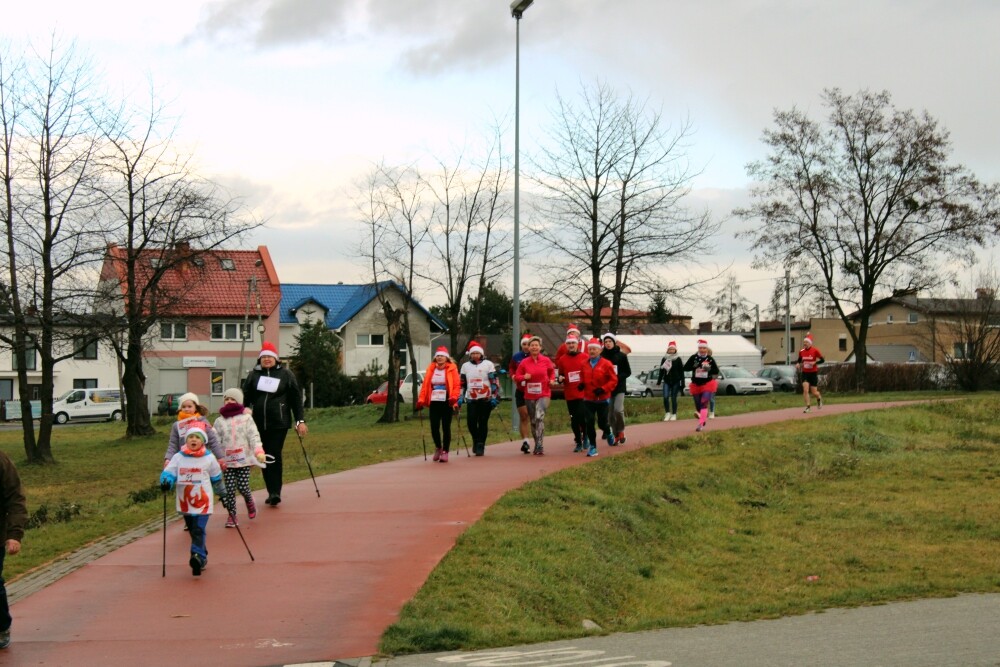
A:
(330, 574)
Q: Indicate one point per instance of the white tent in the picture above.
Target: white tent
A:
(728, 349)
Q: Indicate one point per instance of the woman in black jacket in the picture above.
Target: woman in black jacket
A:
(672, 379)
(272, 392)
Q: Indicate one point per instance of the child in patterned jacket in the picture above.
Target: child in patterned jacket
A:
(195, 473)
(241, 442)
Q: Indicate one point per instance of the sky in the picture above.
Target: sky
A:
(288, 103)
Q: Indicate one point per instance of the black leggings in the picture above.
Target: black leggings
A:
(274, 442)
(440, 421)
(596, 411)
(577, 419)
(479, 420)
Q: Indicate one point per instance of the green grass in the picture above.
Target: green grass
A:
(729, 526)
(97, 471)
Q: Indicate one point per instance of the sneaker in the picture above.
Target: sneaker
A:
(444, 457)
(700, 426)
(592, 451)
(267, 501)
(611, 439)
(251, 508)
(5, 638)
(274, 500)
(525, 448)
(539, 452)
(579, 448)
(807, 409)
(231, 522)
(673, 416)
(621, 439)
(819, 402)
(666, 417)
(711, 415)
(197, 564)
(437, 454)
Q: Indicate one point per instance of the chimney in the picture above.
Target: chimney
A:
(704, 327)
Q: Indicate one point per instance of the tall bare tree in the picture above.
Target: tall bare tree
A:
(730, 310)
(969, 338)
(864, 204)
(157, 208)
(613, 177)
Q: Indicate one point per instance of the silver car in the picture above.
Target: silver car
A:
(738, 380)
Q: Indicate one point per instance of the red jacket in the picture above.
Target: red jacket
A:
(600, 376)
(542, 372)
(453, 385)
(571, 370)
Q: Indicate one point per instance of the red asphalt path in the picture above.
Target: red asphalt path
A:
(330, 575)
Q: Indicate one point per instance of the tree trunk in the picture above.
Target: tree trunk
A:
(137, 418)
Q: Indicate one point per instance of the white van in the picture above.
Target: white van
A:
(88, 404)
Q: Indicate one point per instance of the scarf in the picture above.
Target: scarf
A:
(229, 410)
(181, 416)
(188, 452)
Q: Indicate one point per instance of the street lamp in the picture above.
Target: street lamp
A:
(517, 8)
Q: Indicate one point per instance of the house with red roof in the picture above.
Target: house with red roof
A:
(213, 311)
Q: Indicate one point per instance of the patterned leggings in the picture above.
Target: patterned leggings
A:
(536, 412)
(237, 479)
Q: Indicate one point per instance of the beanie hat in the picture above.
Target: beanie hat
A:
(609, 335)
(593, 342)
(189, 396)
(442, 351)
(268, 350)
(198, 429)
(233, 393)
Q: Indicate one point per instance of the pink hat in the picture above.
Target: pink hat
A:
(268, 350)
(593, 342)
(441, 352)
(702, 342)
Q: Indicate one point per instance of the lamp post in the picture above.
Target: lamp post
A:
(517, 8)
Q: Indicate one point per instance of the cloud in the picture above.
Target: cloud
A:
(270, 23)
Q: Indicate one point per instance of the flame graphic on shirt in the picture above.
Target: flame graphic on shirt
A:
(194, 500)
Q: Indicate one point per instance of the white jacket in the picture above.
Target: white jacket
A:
(240, 440)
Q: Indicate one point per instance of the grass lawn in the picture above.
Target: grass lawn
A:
(729, 526)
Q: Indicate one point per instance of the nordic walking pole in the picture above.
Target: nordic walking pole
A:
(236, 525)
(306, 457)
(423, 439)
(465, 442)
(164, 533)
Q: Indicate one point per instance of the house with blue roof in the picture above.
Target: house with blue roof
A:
(354, 314)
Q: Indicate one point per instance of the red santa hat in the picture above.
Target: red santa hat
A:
(441, 352)
(572, 338)
(474, 346)
(672, 344)
(268, 350)
(571, 328)
(702, 342)
(593, 342)
(808, 338)
(526, 338)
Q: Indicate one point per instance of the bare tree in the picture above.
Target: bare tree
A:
(467, 240)
(392, 207)
(729, 308)
(969, 338)
(866, 204)
(157, 208)
(613, 178)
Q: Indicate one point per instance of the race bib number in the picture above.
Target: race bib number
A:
(268, 385)
(234, 455)
(439, 394)
(190, 476)
(809, 366)
(534, 388)
(475, 384)
(701, 373)
(573, 377)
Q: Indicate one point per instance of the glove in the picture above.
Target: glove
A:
(167, 480)
(494, 402)
(219, 488)
(581, 386)
(259, 455)
(461, 399)
(598, 392)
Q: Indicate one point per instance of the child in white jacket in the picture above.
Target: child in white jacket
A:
(241, 443)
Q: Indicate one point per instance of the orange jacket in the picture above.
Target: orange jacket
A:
(452, 382)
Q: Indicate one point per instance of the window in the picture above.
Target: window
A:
(370, 340)
(30, 360)
(85, 383)
(231, 331)
(791, 342)
(218, 382)
(842, 343)
(85, 349)
(888, 319)
(227, 264)
(173, 331)
(912, 318)
(959, 351)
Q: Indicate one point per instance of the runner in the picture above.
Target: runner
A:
(672, 379)
(481, 391)
(522, 410)
(619, 359)
(703, 383)
(536, 373)
(571, 330)
(439, 393)
(570, 366)
(599, 381)
(808, 363)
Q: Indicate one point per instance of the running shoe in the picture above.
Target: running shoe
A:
(437, 454)
(525, 448)
(666, 417)
(444, 457)
(231, 522)
(819, 402)
(251, 508)
(592, 451)
(807, 409)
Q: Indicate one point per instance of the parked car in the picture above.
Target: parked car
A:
(379, 395)
(783, 377)
(635, 387)
(88, 404)
(168, 404)
(738, 380)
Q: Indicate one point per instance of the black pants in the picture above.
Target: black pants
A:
(596, 411)
(577, 419)
(273, 441)
(4, 609)
(440, 422)
(479, 423)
